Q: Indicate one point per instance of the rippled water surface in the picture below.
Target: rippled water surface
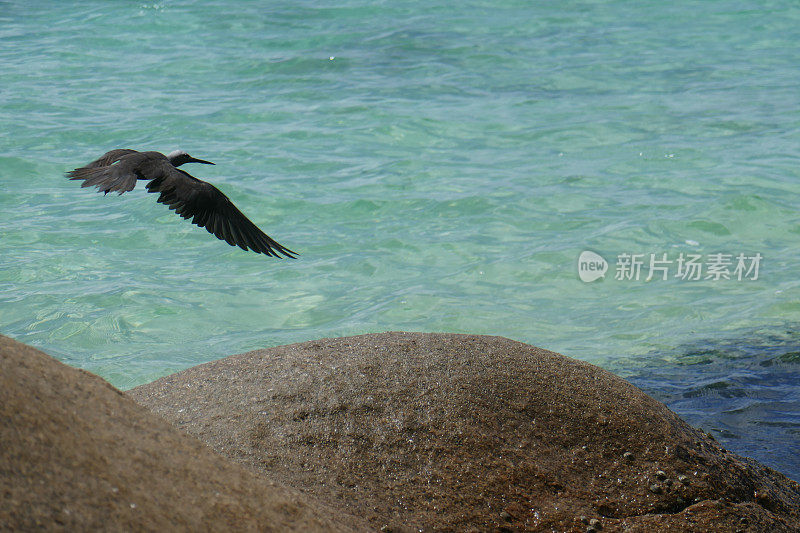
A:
(439, 167)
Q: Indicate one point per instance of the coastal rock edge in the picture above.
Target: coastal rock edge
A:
(416, 431)
(76, 454)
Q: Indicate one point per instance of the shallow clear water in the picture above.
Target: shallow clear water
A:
(439, 168)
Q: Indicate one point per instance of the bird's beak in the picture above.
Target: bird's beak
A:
(193, 160)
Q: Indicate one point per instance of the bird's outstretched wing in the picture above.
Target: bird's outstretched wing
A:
(110, 157)
(114, 171)
(209, 208)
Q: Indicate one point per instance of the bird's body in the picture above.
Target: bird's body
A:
(191, 198)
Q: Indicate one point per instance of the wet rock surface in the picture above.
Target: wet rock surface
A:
(469, 433)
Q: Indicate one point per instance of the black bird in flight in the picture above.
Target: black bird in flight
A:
(188, 196)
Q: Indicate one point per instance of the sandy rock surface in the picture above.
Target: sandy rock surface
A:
(76, 454)
(469, 433)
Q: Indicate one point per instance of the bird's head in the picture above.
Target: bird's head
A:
(179, 157)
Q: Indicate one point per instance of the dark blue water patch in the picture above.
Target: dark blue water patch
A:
(745, 391)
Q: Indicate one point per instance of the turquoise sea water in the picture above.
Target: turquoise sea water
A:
(438, 166)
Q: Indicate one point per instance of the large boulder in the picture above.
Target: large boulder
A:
(463, 432)
(78, 455)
